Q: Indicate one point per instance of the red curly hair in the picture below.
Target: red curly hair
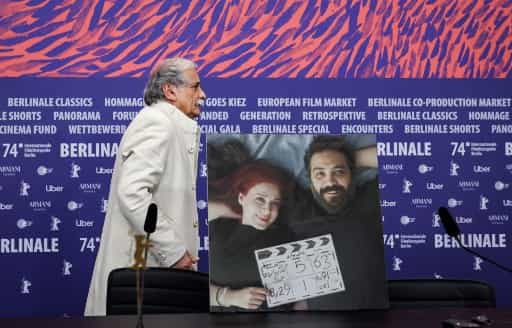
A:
(244, 178)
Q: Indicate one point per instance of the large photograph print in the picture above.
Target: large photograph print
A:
(294, 223)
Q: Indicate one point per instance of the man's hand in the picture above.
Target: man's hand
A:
(246, 298)
(186, 262)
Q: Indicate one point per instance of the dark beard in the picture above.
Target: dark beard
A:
(342, 201)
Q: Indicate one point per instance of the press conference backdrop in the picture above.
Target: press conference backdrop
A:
(432, 79)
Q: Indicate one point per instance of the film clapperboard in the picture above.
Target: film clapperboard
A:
(299, 270)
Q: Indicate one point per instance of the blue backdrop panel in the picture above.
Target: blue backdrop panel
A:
(440, 143)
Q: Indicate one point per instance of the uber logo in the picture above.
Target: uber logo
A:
(386, 203)
(434, 186)
(102, 170)
(481, 169)
(6, 207)
(52, 188)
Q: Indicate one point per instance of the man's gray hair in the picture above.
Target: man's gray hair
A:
(168, 71)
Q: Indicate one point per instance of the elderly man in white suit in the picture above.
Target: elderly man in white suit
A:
(156, 162)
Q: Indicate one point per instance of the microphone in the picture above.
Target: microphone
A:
(150, 223)
(452, 229)
(149, 228)
(449, 224)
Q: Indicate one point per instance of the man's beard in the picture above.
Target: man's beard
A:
(336, 204)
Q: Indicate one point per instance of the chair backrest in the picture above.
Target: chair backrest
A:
(430, 293)
(165, 291)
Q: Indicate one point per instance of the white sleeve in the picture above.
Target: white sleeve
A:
(144, 155)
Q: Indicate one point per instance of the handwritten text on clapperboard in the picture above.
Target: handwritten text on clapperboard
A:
(299, 270)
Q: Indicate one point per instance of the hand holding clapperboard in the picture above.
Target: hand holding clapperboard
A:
(299, 270)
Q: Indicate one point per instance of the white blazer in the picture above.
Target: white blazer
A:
(156, 162)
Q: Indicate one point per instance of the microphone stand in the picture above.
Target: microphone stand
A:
(140, 263)
(140, 299)
(452, 229)
(457, 238)
(141, 259)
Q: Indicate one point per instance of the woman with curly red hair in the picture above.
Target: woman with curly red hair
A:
(255, 193)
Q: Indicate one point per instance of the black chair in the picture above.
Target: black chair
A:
(436, 293)
(165, 291)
